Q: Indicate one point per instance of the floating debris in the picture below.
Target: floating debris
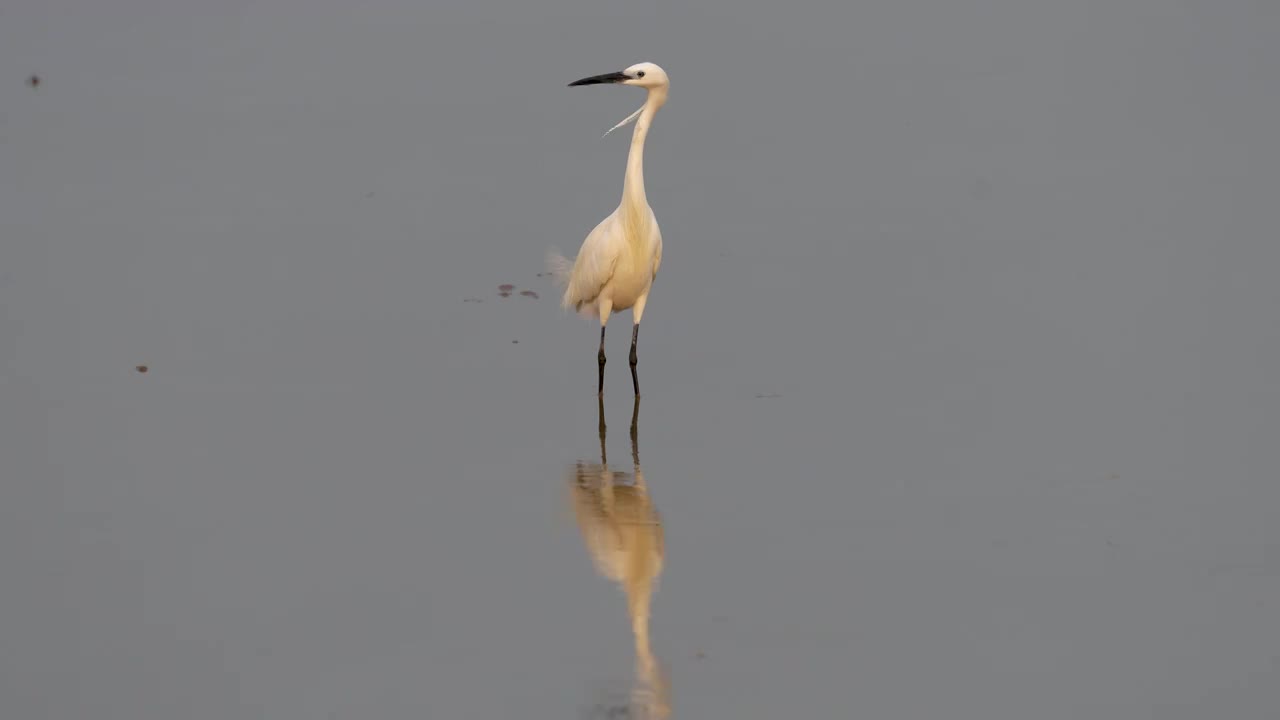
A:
(142, 369)
(515, 342)
(504, 294)
(529, 293)
(34, 80)
(506, 287)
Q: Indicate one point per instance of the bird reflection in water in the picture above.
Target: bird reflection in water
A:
(623, 533)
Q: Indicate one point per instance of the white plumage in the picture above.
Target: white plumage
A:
(610, 269)
(616, 265)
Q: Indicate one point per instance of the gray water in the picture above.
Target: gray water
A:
(960, 391)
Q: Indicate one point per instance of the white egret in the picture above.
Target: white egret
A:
(615, 267)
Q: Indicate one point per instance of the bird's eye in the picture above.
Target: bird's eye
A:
(639, 73)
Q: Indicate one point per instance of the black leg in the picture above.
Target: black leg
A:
(635, 419)
(604, 457)
(635, 333)
(600, 357)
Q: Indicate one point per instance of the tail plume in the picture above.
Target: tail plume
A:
(560, 268)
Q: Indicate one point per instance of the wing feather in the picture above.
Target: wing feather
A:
(657, 260)
(586, 276)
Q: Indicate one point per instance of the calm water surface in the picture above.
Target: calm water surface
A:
(960, 392)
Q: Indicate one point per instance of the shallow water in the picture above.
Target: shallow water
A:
(958, 381)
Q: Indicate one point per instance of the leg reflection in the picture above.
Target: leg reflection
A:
(623, 534)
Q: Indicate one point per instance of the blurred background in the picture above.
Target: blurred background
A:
(960, 391)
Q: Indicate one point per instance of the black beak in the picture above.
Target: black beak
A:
(616, 77)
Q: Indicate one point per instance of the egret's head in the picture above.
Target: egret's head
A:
(645, 75)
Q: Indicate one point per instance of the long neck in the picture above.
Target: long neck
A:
(633, 197)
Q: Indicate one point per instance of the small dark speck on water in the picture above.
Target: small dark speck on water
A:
(529, 293)
(701, 655)
(142, 369)
(504, 294)
(506, 287)
(34, 80)
(515, 342)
